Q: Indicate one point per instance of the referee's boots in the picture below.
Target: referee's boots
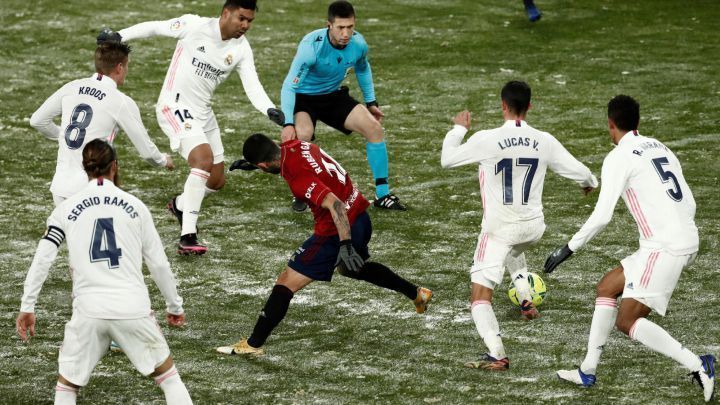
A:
(389, 202)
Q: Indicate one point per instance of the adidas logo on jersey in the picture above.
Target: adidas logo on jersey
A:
(629, 286)
(201, 49)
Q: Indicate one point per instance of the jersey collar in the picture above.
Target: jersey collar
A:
(104, 79)
(515, 123)
(629, 135)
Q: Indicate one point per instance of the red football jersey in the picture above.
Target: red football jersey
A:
(311, 175)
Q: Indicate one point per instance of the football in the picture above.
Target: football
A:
(537, 290)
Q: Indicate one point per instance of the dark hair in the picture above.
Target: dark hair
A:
(624, 111)
(246, 4)
(110, 54)
(258, 148)
(516, 95)
(340, 8)
(98, 156)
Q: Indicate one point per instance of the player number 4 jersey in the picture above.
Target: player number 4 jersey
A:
(109, 233)
(312, 174)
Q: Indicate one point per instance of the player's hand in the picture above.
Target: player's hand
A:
(348, 257)
(108, 35)
(463, 118)
(288, 133)
(587, 190)
(175, 320)
(169, 162)
(376, 113)
(25, 323)
(242, 164)
(557, 257)
(276, 116)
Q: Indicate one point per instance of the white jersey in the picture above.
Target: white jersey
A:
(202, 61)
(513, 161)
(109, 232)
(91, 108)
(649, 178)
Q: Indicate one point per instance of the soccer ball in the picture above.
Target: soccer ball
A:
(537, 290)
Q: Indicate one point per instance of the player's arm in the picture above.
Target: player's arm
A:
(304, 60)
(454, 152)
(614, 174)
(174, 28)
(128, 118)
(253, 88)
(565, 164)
(347, 256)
(157, 262)
(45, 255)
(42, 118)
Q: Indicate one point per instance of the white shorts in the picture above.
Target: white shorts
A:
(87, 340)
(501, 249)
(651, 276)
(186, 132)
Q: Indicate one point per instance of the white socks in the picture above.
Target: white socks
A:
(65, 394)
(173, 387)
(179, 199)
(191, 200)
(657, 339)
(602, 323)
(488, 328)
(522, 286)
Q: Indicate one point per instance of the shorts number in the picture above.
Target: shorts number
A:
(103, 246)
(505, 166)
(77, 126)
(185, 114)
(666, 175)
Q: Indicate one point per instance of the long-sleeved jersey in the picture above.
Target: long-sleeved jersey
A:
(320, 68)
(513, 161)
(91, 108)
(109, 233)
(649, 178)
(202, 61)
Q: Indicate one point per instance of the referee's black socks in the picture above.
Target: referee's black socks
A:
(274, 311)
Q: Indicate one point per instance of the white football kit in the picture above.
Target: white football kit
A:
(91, 108)
(109, 233)
(513, 160)
(202, 61)
(648, 176)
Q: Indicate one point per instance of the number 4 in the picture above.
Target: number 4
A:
(104, 237)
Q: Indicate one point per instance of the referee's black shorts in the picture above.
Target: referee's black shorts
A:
(332, 108)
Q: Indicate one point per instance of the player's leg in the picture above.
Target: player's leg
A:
(85, 342)
(200, 159)
(609, 289)
(516, 266)
(217, 172)
(653, 284)
(487, 326)
(146, 348)
(168, 379)
(532, 11)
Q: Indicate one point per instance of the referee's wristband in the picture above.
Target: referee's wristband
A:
(372, 103)
(289, 124)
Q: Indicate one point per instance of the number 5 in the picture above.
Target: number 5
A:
(666, 175)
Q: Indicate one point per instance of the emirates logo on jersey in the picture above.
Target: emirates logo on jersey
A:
(228, 60)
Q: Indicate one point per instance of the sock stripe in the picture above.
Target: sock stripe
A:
(200, 173)
(60, 387)
(606, 302)
(170, 373)
(480, 302)
(631, 333)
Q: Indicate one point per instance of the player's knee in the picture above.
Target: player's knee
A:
(216, 184)
(606, 290)
(347, 273)
(624, 324)
(373, 132)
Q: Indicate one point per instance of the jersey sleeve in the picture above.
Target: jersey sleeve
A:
(304, 60)
(363, 72)
(42, 118)
(45, 255)
(455, 153)
(128, 118)
(251, 82)
(157, 262)
(615, 174)
(565, 164)
(175, 28)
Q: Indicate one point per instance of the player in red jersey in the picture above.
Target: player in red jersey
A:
(342, 232)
